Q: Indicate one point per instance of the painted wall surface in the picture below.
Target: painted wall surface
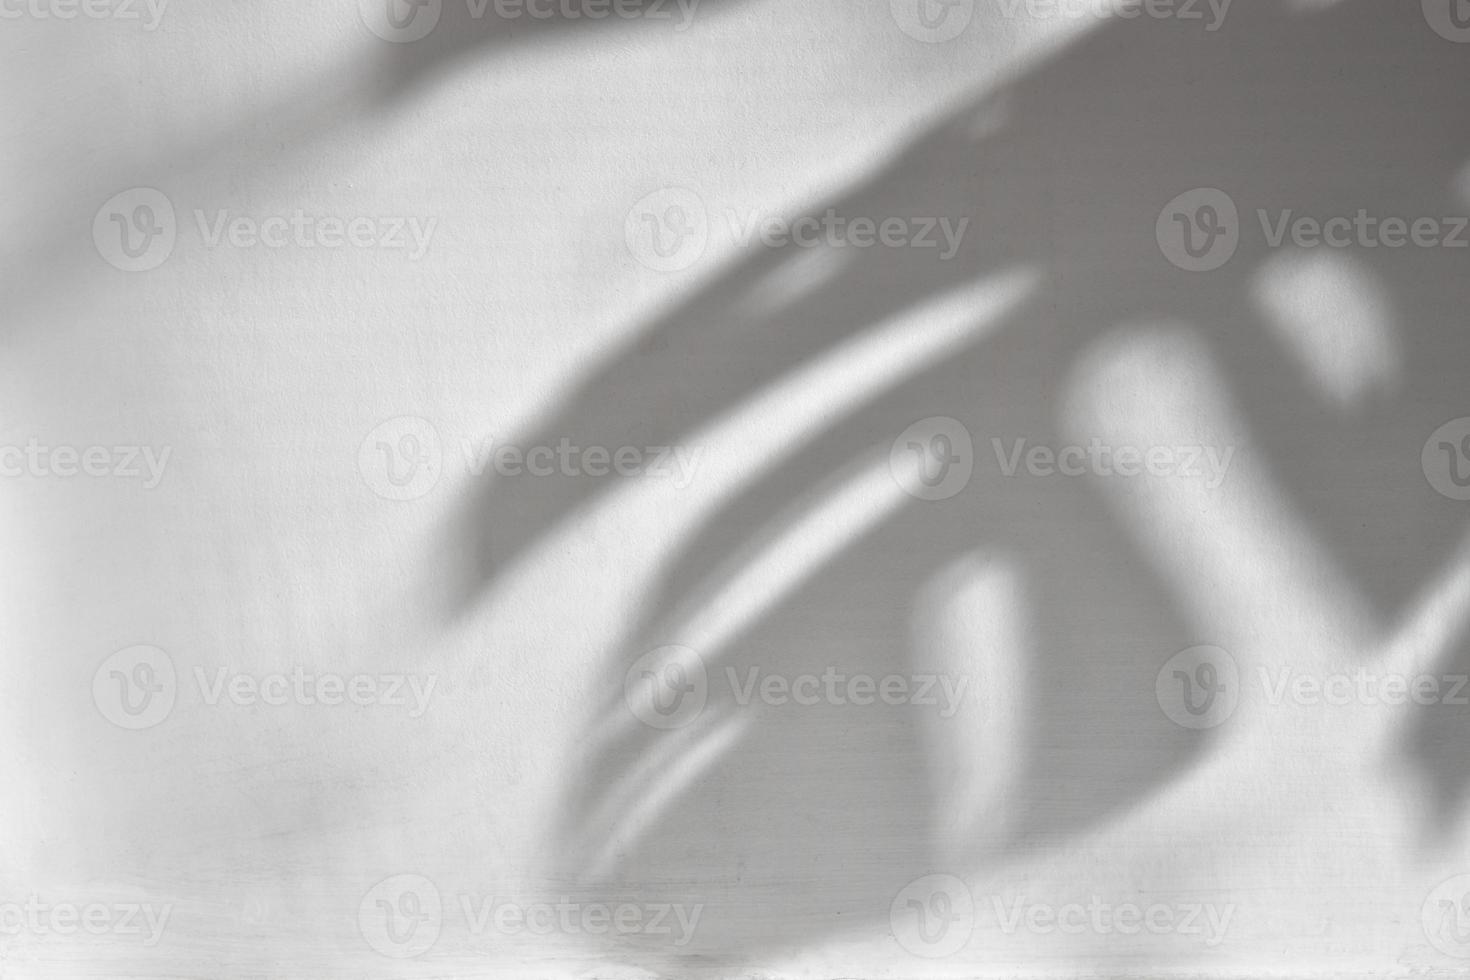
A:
(646, 488)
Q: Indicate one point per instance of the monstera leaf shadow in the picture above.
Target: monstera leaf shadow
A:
(791, 826)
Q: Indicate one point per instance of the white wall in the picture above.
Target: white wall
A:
(269, 541)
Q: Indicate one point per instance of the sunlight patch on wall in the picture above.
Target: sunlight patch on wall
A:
(1243, 565)
(972, 621)
(788, 556)
(1330, 313)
